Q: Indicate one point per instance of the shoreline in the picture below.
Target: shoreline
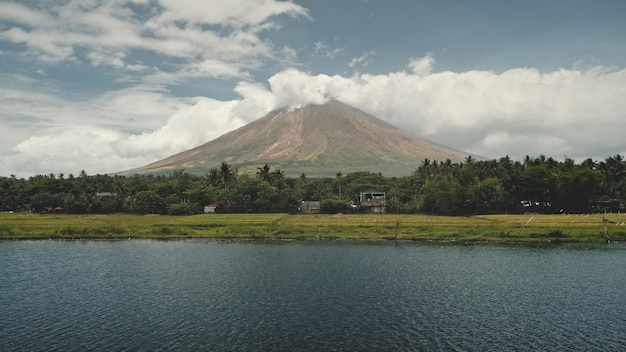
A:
(310, 239)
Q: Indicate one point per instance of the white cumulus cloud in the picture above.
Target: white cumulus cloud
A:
(573, 112)
(211, 39)
(579, 113)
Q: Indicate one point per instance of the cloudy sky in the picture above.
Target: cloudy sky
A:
(108, 85)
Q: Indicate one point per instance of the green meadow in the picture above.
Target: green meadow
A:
(497, 228)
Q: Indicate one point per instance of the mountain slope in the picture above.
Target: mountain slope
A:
(318, 140)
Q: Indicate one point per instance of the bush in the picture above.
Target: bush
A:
(149, 202)
(180, 209)
(333, 206)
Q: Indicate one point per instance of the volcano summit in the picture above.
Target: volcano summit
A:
(318, 140)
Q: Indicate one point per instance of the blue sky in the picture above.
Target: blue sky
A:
(108, 85)
(466, 35)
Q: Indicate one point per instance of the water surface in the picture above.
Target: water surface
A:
(328, 296)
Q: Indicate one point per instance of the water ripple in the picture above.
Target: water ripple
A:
(203, 295)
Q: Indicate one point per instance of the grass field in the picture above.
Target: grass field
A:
(503, 228)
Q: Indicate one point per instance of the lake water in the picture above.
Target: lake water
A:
(327, 296)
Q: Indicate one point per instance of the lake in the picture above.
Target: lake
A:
(310, 296)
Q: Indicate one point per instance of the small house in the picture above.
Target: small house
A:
(104, 194)
(310, 206)
(210, 208)
(375, 200)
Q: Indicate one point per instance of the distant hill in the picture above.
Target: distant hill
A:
(318, 140)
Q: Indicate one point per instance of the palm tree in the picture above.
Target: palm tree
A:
(213, 177)
(424, 169)
(277, 178)
(615, 168)
(339, 182)
(226, 174)
(222, 176)
(119, 186)
(588, 164)
(264, 173)
(527, 161)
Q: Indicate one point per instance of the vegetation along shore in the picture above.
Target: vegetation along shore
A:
(527, 228)
(472, 187)
(440, 201)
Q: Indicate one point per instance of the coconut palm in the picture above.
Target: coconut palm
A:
(339, 180)
(264, 173)
(277, 178)
(227, 174)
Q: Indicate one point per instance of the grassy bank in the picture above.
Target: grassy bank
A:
(508, 228)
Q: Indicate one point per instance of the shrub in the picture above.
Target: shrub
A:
(333, 206)
(180, 209)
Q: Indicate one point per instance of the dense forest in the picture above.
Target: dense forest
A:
(537, 185)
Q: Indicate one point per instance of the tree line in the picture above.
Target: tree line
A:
(535, 184)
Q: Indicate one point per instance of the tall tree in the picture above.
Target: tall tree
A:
(614, 169)
(278, 178)
(263, 173)
(226, 174)
(339, 180)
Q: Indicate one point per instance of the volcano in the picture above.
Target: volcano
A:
(317, 140)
